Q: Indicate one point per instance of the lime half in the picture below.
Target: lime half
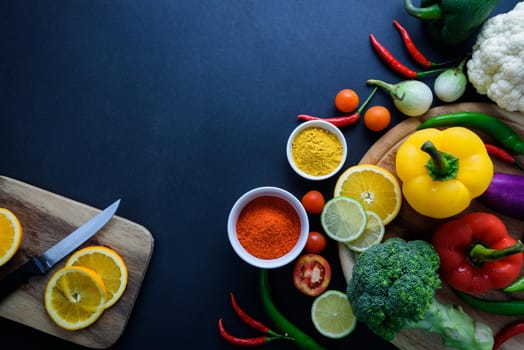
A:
(332, 315)
(373, 234)
(343, 219)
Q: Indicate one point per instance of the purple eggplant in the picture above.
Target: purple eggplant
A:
(505, 195)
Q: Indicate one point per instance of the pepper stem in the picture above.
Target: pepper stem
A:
(441, 166)
(365, 103)
(425, 13)
(479, 253)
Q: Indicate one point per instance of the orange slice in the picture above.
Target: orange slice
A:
(108, 264)
(10, 235)
(75, 297)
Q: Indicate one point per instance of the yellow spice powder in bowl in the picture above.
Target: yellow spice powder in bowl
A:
(316, 150)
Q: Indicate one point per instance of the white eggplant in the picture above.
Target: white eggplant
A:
(411, 97)
(450, 84)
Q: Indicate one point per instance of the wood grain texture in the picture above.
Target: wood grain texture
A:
(46, 218)
(411, 225)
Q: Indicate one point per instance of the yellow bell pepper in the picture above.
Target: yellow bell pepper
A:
(443, 170)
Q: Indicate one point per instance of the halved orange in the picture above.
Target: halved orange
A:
(75, 297)
(10, 235)
(108, 264)
(375, 187)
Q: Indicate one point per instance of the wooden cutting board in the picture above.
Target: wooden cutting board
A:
(46, 218)
(411, 225)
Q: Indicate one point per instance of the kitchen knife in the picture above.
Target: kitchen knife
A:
(39, 265)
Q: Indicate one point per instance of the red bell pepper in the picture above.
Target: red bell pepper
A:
(477, 253)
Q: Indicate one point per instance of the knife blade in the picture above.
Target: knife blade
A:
(40, 265)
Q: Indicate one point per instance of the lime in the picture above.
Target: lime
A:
(343, 218)
(332, 314)
(373, 234)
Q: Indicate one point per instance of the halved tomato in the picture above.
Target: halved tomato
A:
(311, 274)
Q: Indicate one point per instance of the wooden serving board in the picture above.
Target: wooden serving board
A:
(46, 218)
(411, 225)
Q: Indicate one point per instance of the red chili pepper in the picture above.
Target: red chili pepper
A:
(343, 120)
(394, 64)
(477, 254)
(250, 342)
(388, 57)
(503, 155)
(250, 320)
(508, 332)
(413, 51)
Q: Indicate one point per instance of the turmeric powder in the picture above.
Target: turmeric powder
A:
(317, 151)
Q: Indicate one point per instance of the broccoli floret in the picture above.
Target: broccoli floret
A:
(393, 287)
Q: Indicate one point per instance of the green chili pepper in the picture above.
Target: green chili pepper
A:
(516, 286)
(301, 339)
(488, 124)
(498, 307)
(452, 21)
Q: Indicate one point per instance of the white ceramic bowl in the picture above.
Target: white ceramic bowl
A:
(237, 209)
(317, 124)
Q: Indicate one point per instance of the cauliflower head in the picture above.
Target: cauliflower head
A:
(496, 67)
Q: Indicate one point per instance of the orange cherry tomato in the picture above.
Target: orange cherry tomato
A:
(313, 201)
(346, 100)
(377, 118)
(316, 242)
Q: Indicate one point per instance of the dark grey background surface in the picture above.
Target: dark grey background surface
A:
(179, 107)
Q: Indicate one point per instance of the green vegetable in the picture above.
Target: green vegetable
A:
(452, 21)
(511, 307)
(301, 339)
(516, 286)
(490, 125)
(393, 288)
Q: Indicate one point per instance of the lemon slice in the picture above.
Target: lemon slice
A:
(108, 264)
(376, 188)
(373, 234)
(75, 297)
(332, 314)
(10, 235)
(343, 219)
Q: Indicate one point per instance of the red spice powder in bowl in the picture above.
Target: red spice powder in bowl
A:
(268, 227)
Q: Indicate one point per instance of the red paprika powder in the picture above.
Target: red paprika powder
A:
(268, 227)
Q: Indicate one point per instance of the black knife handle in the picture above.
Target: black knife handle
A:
(14, 279)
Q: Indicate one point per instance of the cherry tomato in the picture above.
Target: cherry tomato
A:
(316, 242)
(346, 100)
(377, 118)
(311, 274)
(313, 201)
